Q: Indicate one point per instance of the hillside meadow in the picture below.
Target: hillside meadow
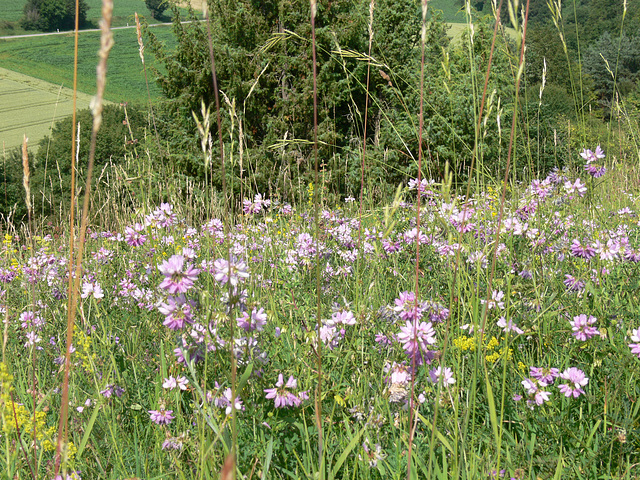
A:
(172, 324)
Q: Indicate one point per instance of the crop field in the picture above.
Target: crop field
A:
(50, 58)
(29, 106)
(11, 11)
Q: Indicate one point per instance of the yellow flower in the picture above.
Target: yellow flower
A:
(465, 343)
(493, 343)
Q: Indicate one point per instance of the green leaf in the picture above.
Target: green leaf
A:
(87, 432)
(352, 444)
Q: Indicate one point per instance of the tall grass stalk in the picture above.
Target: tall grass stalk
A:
(228, 210)
(26, 179)
(412, 407)
(146, 81)
(316, 220)
(106, 42)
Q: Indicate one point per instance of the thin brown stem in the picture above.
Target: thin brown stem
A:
(316, 219)
(106, 42)
(417, 271)
(229, 214)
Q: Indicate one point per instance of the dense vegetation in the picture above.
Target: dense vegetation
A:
(285, 323)
(571, 92)
(50, 15)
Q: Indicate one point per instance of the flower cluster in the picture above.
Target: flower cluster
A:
(283, 395)
(541, 378)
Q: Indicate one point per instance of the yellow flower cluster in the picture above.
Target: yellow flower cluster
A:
(495, 356)
(16, 417)
(310, 192)
(82, 343)
(465, 343)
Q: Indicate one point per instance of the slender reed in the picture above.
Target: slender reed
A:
(364, 136)
(26, 175)
(146, 80)
(316, 220)
(229, 214)
(106, 42)
(417, 271)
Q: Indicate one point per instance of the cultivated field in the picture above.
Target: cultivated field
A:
(50, 58)
(29, 106)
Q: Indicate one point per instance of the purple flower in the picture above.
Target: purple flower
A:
(176, 280)
(172, 444)
(447, 376)
(282, 395)
(576, 380)
(177, 312)
(133, 235)
(171, 383)
(590, 156)
(92, 289)
(632, 255)
(495, 301)
(607, 251)
(574, 284)
(509, 326)
(161, 417)
(400, 374)
(415, 337)
(545, 375)
(234, 272)
(344, 317)
(582, 329)
(534, 387)
(635, 337)
(407, 306)
(30, 319)
(576, 187)
(595, 171)
(256, 321)
(582, 251)
(112, 389)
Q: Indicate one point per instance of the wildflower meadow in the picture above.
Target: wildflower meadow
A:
(479, 329)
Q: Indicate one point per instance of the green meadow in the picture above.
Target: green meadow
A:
(123, 14)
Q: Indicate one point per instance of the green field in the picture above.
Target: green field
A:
(123, 13)
(11, 11)
(30, 106)
(50, 58)
(451, 10)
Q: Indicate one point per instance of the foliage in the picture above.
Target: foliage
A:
(49, 15)
(613, 65)
(156, 7)
(12, 194)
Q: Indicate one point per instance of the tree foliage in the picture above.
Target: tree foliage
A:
(156, 7)
(50, 15)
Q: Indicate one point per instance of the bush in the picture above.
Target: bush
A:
(49, 15)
